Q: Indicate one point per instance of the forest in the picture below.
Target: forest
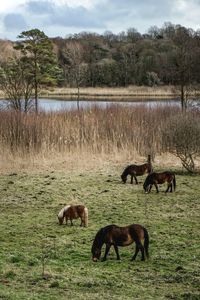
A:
(164, 56)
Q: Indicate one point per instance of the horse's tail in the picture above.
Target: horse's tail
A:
(174, 182)
(146, 242)
(85, 216)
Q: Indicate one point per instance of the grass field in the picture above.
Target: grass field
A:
(41, 260)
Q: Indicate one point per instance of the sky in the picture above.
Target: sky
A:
(64, 17)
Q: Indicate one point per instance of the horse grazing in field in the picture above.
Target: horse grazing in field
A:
(70, 212)
(113, 235)
(160, 178)
(137, 170)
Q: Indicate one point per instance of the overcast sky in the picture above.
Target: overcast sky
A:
(62, 17)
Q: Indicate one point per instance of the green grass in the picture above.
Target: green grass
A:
(31, 239)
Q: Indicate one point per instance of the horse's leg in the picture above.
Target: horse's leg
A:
(168, 186)
(116, 251)
(131, 179)
(142, 251)
(136, 182)
(171, 187)
(82, 222)
(71, 222)
(106, 251)
(136, 252)
(156, 186)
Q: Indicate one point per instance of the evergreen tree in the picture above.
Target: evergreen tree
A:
(37, 51)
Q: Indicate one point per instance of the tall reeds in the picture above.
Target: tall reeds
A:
(94, 130)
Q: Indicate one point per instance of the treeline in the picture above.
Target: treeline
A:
(169, 55)
(166, 55)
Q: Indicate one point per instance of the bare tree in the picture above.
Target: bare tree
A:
(17, 85)
(184, 63)
(74, 63)
(181, 137)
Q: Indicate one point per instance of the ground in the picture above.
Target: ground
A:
(40, 259)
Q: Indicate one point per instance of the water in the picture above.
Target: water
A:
(57, 104)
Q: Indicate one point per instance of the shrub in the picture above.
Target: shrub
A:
(181, 136)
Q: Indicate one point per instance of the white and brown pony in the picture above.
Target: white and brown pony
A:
(70, 212)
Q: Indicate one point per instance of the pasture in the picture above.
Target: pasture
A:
(41, 260)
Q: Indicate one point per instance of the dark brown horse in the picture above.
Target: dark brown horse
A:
(115, 236)
(70, 212)
(160, 178)
(137, 170)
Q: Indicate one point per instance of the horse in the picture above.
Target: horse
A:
(160, 178)
(113, 235)
(70, 212)
(137, 170)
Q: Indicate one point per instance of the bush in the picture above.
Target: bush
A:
(181, 136)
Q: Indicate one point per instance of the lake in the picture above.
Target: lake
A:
(45, 104)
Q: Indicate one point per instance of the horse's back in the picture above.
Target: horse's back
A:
(160, 177)
(138, 169)
(137, 230)
(166, 176)
(80, 209)
(76, 211)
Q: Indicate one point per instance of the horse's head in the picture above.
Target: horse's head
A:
(124, 178)
(60, 220)
(146, 185)
(96, 254)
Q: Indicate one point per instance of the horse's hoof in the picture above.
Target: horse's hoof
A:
(94, 259)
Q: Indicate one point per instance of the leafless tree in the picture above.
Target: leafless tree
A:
(17, 85)
(73, 52)
(181, 137)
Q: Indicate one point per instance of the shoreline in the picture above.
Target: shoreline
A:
(108, 97)
(128, 94)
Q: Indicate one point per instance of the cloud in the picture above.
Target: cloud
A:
(40, 7)
(14, 22)
(79, 17)
(62, 14)
(60, 17)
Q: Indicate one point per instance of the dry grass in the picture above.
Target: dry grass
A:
(83, 139)
(121, 92)
(81, 162)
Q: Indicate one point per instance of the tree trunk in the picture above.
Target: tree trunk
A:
(182, 97)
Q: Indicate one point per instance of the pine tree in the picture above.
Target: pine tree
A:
(37, 51)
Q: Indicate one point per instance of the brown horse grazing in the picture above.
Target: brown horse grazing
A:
(113, 235)
(137, 170)
(159, 178)
(70, 212)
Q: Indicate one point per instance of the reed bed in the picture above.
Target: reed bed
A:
(86, 138)
(95, 130)
(120, 92)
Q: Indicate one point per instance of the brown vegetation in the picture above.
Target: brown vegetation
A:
(94, 132)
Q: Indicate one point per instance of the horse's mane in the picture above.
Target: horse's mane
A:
(63, 210)
(126, 170)
(99, 238)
